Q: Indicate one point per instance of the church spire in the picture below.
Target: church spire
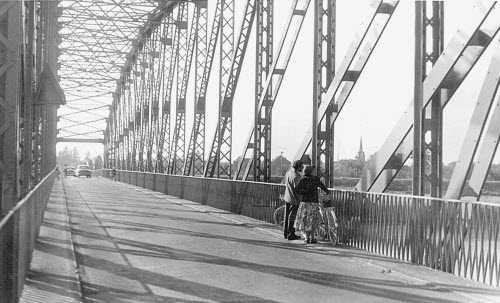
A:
(361, 154)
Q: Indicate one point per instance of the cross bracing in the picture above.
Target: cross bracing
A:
(95, 37)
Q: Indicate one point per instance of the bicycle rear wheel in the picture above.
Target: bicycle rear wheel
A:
(279, 216)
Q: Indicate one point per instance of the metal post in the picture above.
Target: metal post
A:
(263, 119)
(186, 48)
(434, 147)
(10, 15)
(30, 76)
(418, 103)
(226, 56)
(52, 43)
(324, 69)
(195, 152)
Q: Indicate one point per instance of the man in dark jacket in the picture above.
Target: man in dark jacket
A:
(291, 198)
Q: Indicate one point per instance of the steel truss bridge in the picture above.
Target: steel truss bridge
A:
(123, 73)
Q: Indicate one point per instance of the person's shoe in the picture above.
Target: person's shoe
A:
(313, 241)
(294, 237)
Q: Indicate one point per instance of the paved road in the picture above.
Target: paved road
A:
(136, 245)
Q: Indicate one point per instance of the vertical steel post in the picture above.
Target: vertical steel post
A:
(263, 119)
(186, 47)
(10, 16)
(195, 152)
(418, 157)
(434, 119)
(324, 70)
(51, 34)
(29, 80)
(156, 84)
(226, 57)
(171, 56)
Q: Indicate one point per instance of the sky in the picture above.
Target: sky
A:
(381, 95)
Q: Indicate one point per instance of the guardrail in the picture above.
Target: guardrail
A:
(458, 237)
(18, 232)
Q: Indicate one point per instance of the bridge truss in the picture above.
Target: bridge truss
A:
(177, 46)
(29, 96)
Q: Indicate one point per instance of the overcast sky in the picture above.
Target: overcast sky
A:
(379, 98)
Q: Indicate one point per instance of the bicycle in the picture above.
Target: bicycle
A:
(327, 229)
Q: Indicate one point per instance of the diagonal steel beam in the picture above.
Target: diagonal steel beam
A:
(357, 56)
(475, 129)
(275, 76)
(221, 144)
(461, 54)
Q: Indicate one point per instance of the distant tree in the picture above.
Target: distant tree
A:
(67, 157)
(406, 172)
(98, 162)
(87, 157)
(75, 155)
(494, 173)
(348, 168)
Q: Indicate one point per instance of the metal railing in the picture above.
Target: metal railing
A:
(452, 236)
(18, 232)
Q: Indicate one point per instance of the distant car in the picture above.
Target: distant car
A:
(70, 172)
(83, 170)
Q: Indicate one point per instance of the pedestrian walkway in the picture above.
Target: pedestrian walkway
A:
(131, 244)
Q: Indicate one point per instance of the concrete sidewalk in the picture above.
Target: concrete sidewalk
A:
(52, 276)
(136, 245)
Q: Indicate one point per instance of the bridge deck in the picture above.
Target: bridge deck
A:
(135, 245)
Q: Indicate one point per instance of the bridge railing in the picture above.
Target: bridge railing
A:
(458, 237)
(18, 232)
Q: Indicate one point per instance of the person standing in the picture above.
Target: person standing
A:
(308, 216)
(291, 198)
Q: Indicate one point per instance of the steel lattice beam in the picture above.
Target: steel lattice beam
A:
(195, 152)
(186, 48)
(261, 131)
(171, 55)
(428, 167)
(221, 145)
(10, 15)
(263, 118)
(324, 69)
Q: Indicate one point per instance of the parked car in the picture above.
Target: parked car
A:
(70, 171)
(83, 170)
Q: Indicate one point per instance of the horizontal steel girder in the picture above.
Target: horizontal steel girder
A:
(75, 140)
